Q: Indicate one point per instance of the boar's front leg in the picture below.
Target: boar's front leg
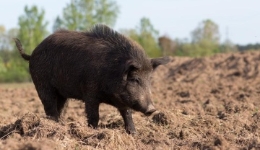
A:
(127, 116)
(92, 110)
(49, 100)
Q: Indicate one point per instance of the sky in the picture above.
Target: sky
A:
(238, 20)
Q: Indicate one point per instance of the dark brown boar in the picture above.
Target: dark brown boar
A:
(98, 66)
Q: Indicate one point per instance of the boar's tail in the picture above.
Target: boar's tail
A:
(21, 50)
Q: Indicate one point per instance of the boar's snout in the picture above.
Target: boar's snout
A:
(150, 110)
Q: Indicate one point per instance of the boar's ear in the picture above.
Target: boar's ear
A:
(159, 61)
(129, 67)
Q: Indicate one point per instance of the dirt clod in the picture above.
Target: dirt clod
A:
(160, 119)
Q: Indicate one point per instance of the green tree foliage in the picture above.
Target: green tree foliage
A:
(82, 14)
(10, 70)
(168, 46)
(57, 24)
(228, 46)
(5, 56)
(204, 42)
(3, 38)
(207, 30)
(146, 35)
(6, 44)
(32, 28)
(183, 48)
(2, 49)
(13, 72)
(205, 39)
(246, 47)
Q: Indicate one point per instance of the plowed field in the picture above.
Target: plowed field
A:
(204, 103)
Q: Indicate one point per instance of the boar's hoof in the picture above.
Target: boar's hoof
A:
(150, 110)
(130, 130)
(53, 118)
(92, 126)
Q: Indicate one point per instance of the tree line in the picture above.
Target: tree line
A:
(80, 15)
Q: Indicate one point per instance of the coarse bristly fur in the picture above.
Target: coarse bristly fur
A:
(119, 42)
(97, 66)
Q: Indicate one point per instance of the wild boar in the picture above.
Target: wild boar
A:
(97, 66)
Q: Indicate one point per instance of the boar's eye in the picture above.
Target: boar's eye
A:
(134, 80)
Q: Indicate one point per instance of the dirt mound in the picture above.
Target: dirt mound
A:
(203, 103)
(222, 66)
(219, 94)
(30, 125)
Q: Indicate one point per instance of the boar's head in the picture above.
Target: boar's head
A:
(136, 93)
(126, 71)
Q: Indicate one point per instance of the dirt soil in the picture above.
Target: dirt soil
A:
(204, 103)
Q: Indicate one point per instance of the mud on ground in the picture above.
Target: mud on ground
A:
(205, 103)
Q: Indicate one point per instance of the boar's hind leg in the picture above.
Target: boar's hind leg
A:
(61, 101)
(92, 110)
(127, 116)
(49, 98)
